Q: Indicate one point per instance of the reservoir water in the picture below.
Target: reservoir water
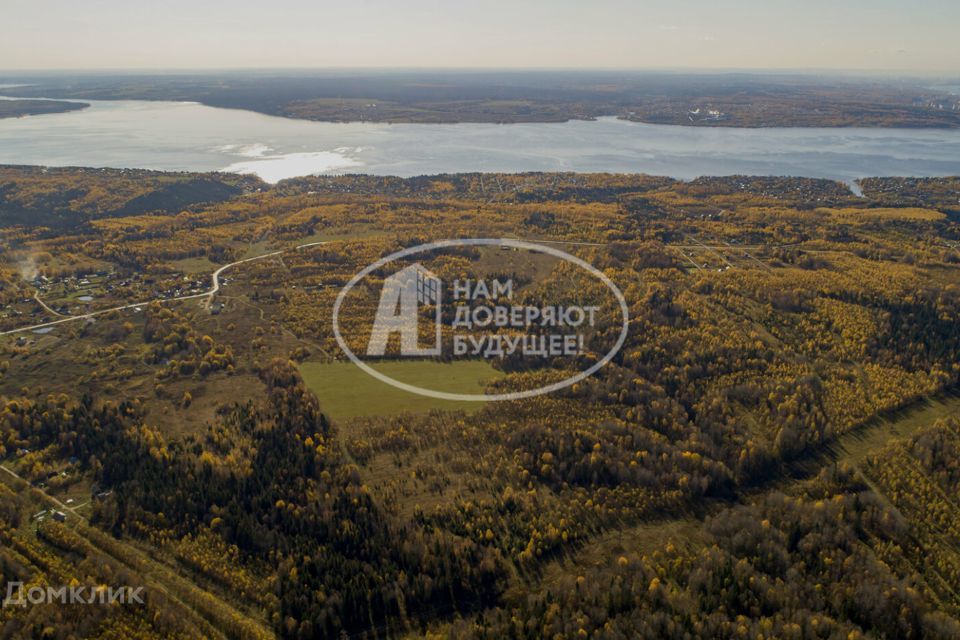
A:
(191, 136)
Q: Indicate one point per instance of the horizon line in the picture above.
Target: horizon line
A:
(848, 71)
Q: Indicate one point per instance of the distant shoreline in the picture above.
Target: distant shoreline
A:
(19, 108)
(323, 110)
(685, 99)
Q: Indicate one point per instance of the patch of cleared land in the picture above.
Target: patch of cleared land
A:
(199, 264)
(346, 391)
(868, 440)
(852, 215)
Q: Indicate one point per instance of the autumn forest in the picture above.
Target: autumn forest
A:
(773, 453)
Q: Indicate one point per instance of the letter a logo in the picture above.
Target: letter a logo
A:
(399, 312)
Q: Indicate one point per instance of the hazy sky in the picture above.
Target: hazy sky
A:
(901, 35)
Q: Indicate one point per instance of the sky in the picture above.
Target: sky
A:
(882, 35)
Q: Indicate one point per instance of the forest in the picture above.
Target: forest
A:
(20, 108)
(772, 453)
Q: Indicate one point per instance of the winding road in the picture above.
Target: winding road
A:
(43, 304)
(206, 294)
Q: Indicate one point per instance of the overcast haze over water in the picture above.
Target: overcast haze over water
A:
(190, 136)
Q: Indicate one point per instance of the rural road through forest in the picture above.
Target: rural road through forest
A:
(55, 501)
(215, 287)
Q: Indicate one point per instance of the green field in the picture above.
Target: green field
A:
(346, 391)
(861, 443)
(199, 264)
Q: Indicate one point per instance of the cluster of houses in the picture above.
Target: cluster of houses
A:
(940, 104)
(188, 287)
(64, 285)
(701, 114)
(104, 281)
(59, 516)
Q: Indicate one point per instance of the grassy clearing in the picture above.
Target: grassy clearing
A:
(497, 261)
(645, 538)
(853, 215)
(346, 391)
(857, 445)
(337, 234)
(200, 264)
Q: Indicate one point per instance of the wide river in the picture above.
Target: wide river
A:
(190, 136)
